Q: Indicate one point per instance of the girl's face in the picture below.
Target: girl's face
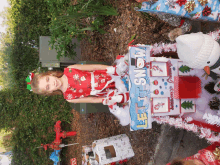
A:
(49, 83)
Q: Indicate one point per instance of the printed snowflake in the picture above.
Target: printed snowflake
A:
(80, 91)
(76, 76)
(132, 95)
(69, 96)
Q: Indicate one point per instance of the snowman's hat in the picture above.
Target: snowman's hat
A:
(195, 49)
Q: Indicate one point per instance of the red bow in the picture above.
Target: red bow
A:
(181, 2)
(206, 11)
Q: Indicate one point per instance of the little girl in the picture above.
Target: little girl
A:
(88, 84)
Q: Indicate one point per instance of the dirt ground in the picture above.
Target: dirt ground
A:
(105, 47)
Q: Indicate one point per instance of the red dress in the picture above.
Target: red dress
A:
(83, 83)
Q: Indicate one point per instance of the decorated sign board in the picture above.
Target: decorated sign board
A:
(139, 74)
(157, 87)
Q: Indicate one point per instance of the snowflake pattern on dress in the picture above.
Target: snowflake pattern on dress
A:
(69, 96)
(76, 76)
(80, 91)
(210, 157)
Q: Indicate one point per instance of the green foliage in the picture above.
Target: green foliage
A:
(184, 69)
(187, 104)
(33, 118)
(68, 21)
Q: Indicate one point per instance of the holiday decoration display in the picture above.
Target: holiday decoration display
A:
(184, 90)
(200, 51)
(140, 105)
(111, 150)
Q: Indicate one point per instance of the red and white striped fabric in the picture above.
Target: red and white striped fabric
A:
(186, 87)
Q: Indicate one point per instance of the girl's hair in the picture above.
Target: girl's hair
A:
(37, 77)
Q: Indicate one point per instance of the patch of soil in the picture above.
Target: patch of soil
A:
(105, 47)
(119, 31)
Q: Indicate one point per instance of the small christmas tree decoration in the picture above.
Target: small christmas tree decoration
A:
(206, 11)
(155, 82)
(187, 104)
(184, 69)
(156, 92)
(70, 70)
(181, 2)
(190, 6)
(203, 2)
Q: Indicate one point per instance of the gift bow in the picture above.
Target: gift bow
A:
(217, 153)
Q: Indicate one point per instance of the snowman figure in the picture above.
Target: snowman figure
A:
(201, 51)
